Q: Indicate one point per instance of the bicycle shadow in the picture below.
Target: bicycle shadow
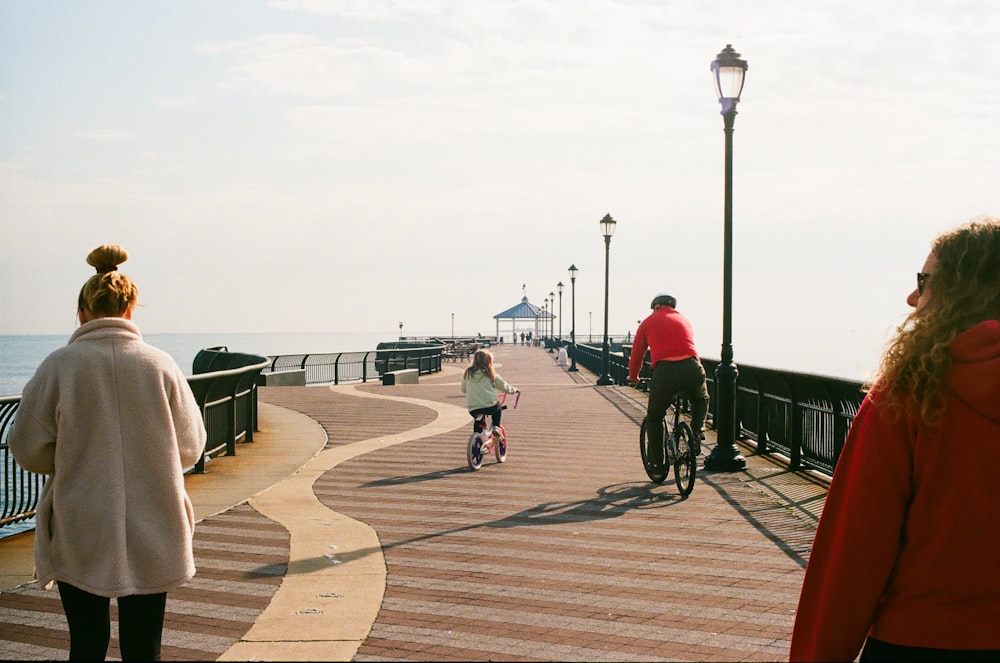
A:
(417, 478)
(610, 502)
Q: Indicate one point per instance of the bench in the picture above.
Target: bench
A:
(458, 352)
(402, 376)
(290, 378)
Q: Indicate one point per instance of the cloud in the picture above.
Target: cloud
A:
(181, 101)
(371, 10)
(101, 135)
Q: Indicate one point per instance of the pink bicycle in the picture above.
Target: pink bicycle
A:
(489, 439)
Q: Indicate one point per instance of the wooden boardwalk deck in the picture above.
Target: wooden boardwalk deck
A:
(564, 552)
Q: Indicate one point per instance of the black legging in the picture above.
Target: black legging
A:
(876, 651)
(494, 411)
(140, 624)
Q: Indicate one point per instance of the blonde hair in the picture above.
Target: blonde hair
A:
(109, 293)
(482, 360)
(965, 290)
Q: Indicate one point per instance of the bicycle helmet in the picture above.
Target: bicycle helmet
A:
(665, 300)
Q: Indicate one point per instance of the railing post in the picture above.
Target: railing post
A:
(231, 423)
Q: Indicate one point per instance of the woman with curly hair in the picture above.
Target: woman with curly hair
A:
(905, 559)
(113, 423)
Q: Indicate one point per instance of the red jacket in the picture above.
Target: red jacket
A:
(666, 334)
(909, 541)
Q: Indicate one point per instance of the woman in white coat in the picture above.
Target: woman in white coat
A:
(113, 423)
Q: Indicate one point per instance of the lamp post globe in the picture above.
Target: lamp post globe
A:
(572, 332)
(607, 229)
(729, 72)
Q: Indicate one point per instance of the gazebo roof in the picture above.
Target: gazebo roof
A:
(523, 311)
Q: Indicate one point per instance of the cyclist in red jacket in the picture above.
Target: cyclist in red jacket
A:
(676, 369)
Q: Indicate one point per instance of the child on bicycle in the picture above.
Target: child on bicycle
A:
(480, 384)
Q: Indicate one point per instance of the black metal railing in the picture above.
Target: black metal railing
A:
(21, 489)
(225, 387)
(804, 417)
(340, 367)
(226, 395)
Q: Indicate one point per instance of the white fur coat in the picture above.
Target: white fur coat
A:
(114, 422)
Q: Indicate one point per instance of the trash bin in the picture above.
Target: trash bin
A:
(563, 359)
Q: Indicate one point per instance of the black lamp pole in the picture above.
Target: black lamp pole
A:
(607, 229)
(572, 332)
(401, 331)
(729, 71)
(552, 304)
(545, 312)
(559, 287)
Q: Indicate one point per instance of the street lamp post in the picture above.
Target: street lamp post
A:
(401, 330)
(559, 288)
(607, 229)
(452, 326)
(729, 71)
(572, 332)
(552, 305)
(545, 311)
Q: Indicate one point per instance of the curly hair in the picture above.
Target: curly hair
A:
(965, 289)
(108, 293)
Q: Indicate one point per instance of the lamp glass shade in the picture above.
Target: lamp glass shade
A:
(729, 82)
(559, 287)
(608, 225)
(573, 271)
(729, 73)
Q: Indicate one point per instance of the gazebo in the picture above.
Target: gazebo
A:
(524, 311)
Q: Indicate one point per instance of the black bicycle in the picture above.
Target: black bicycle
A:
(679, 450)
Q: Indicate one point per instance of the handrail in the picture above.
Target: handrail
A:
(359, 366)
(228, 402)
(804, 417)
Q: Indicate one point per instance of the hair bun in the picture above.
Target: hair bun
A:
(106, 258)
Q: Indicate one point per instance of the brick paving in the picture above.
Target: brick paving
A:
(564, 552)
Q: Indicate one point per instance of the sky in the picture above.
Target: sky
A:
(347, 165)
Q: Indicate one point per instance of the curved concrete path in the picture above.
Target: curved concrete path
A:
(332, 592)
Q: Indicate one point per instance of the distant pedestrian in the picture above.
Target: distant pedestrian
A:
(522, 339)
(904, 563)
(113, 423)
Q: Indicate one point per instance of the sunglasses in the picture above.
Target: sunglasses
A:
(922, 281)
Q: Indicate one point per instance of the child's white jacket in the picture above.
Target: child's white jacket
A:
(480, 392)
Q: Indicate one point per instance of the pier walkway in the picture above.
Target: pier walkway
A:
(352, 529)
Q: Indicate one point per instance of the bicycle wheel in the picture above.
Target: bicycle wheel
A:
(500, 443)
(475, 451)
(656, 473)
(686, 463)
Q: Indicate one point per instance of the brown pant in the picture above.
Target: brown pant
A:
(686, 377)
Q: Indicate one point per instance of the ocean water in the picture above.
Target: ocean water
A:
(843, 353)
(21, 355)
